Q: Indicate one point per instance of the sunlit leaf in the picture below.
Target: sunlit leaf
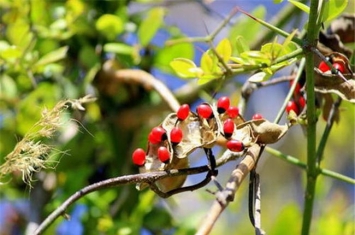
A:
(169, 53)
(119, 48)
(150, 25)
(206, 78)
(239, 60)
(207, 63)
(11, 52)
(241, 45)
(185, 68)
(300, 5)
(256, 56)
(259, 77)
(333, 8)
(109, 25)
(53, 56)
(224, 49)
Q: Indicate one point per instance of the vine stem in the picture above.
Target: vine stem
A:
(312, 166)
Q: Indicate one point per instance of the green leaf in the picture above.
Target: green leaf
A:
(242, 61)
(333, 8)
(241, 45)
(53, 56)
(300, 5)
(205, 79)
(109, 25)
(150, 25)
(260, 77)
(169, 53)
(256, 56)
(224, 49)
(118, 48)
(207, 63)
(185, 68)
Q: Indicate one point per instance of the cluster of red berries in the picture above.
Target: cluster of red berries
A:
(158, 135)
(298, 102)
(336, 64)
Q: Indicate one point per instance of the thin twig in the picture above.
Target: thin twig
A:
(149, 82)
(113, 182)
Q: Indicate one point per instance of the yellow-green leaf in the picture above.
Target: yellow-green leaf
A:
(224, 49)
(300, 5)
(241, 45)
(150, 25)
(109, 25)
(333, 8)
(53, 56)
(206, 63)
(185, 68)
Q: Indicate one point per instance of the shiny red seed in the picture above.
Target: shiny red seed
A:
(163, 154)
(302, 102)
(228, 128)
(257, 116)
(176, 135)
(323, 67)
(233, 112)
(291, 105)
(205, 111)
(157, 135)
(235, 145)
(183, 112)
(223, 104)
(297, 88)
(339, 66)
(138, 157)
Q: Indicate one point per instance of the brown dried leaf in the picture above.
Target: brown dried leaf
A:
(327, 106)
(263, 131)
(332, 83)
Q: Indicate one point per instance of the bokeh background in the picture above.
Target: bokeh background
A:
(54, 50)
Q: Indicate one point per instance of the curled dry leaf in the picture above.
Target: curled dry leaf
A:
(264, 132)
(332, 83)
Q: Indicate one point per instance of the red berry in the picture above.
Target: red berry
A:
(138, 157)
(257, 116)
(339, 66)
(291, 105)
(183, 112)
(157, 135)
(233, 112)
(176, 135)
(235, 145)
(297, 88)
(205, 111)
(228, 128)
(302, 102)
(163, 154)
(323, 67)
(223, 104)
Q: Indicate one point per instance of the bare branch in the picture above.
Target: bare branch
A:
(227, 195)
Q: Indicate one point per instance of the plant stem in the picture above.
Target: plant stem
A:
(297, 162)
(312, 166)
(290, 93)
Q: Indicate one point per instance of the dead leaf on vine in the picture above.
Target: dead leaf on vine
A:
(332, 83)
(327, 107)
(265, 132)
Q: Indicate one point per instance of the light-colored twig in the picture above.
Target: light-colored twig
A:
(227, 195)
